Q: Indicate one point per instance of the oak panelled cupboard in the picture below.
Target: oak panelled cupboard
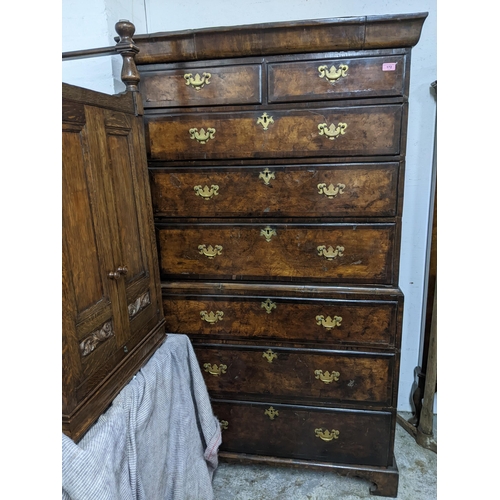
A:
(112, 313)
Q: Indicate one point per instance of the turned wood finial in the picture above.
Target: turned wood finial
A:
(127, 49)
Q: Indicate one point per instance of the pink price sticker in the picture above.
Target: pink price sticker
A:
(389, 67)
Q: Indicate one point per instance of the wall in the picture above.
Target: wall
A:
(86, 26)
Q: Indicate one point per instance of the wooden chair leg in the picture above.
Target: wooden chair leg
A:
(425, 433)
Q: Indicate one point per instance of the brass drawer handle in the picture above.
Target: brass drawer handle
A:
(268, 305)
(224, 424)
(104, 332)
(210, 251)
(202, 136)
(265, 120)
(270, 355)
(330, 253)
(328, 322)
(327, 377)
(207, 192)
(271, 413)
(332, 74)
(214, 369)
(211, 317)
(198, 82)
(266, 176)
(326, 435)
(268, 232)
(331, 191)
(332, 131)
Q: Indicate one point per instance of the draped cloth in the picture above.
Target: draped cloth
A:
(157, 441)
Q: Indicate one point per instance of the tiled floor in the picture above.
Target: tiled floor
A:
(417, 479)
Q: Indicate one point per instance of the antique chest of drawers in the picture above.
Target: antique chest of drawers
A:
(276, 160)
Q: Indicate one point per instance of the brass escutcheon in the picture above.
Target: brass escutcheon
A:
(214, 369)
(328, 322)
(271, 413)
(330, 253)
(202, 136)
(331, 191)
(207, 192)
(327, 377)
(268, 232)
(211, 317)
(268, 305)
(332, 74)
(266, 176)
(265, 120)
(270, 355)
(332, 131)
(224, 424)
(210, 251)
(326, 435)
(198, 82)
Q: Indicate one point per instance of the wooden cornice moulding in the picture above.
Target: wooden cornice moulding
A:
(348, 33)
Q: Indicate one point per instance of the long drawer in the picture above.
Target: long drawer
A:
(361, 190)
(340, 131)
(340, 436)
(298, 375)
(354, 253)
(314, 321)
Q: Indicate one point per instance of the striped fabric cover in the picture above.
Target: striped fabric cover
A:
(158, 440)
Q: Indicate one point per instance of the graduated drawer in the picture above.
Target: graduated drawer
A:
(202, 86)
(315, 321)
(354, 253)
(308, 190)
(333, 78)
(330, 435)
(298, 375)
(341, 131)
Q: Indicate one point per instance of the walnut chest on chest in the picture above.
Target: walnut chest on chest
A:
(276, 160)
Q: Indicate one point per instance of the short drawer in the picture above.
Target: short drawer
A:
(292, 191)
(321, 132)
(333, 78)
(340, 436)
(315, 321)
(202, 86)
(352, 253)
(297, 375)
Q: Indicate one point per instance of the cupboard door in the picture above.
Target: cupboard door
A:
(129, 225)
(90, 321)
